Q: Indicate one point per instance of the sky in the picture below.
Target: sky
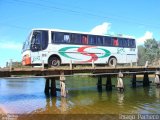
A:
(136, 18)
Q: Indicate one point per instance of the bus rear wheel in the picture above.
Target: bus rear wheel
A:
(54, 61)
(112, 62)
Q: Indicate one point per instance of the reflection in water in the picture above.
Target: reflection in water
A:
(157, 90)
(120, 97)
(27, 96)
(63, 106)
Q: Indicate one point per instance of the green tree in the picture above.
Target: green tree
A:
(152, 51)
(142, 58)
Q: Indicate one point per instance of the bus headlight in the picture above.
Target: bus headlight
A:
(26, 60)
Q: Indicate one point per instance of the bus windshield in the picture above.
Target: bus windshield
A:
(39, 40)
(26, 44)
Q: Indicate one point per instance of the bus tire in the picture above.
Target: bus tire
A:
(54, 61)
(112, 62)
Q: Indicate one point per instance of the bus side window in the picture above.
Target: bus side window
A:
(120, 41)
(75, 38)
(132, 43)
(99, 40)
(52, 37)
(66, 38)
(44, 39)
(84, 39)
(125, 43)
(59, 37)
(108, 41)
(92, 40)
(115, 41)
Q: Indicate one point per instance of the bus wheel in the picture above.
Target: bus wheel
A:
(112, 62)
(54, 61)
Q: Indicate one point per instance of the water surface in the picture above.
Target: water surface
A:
(26, 96)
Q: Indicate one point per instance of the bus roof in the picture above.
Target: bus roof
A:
(87, 33)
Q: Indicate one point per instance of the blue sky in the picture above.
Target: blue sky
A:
(137, 18)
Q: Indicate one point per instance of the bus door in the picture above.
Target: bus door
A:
(39, 43)
(36, 47)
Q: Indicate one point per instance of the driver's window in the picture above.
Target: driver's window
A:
(36, 41)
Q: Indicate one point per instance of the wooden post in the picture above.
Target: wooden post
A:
(157, 79)
(131, 64)
(108, 83)
(62, 84)
(10, 65)
(47, 87)
(42, 64)
(145, 80)
(120, 84)
(99, 84)
(93, 66)
(146, 65)
(53, 87)
(70, 65)
(134, 80)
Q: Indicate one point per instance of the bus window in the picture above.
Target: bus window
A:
(52, 37)
(36, 41)
(44, 39)
(115, 41)
(108, 41)
(92, 40)
(125, 43)
(59, 37)
(99, 40)
(66, 38)
(76, 38)
(120, 42)
(84, 39)
(132, 43)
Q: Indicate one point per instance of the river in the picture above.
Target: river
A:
(26, 96)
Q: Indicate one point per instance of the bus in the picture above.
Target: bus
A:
(55, 47)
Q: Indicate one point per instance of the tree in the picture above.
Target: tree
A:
(152, 51)
(141, 55)
(149, 52)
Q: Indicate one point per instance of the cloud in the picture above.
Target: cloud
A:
(147, 35)
(10, 45)
(101, 29)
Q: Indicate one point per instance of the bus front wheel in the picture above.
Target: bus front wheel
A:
(112, 62)
(54, 61)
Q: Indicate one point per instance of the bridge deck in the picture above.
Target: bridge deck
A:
(67, 71)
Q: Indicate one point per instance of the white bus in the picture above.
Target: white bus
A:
(55, 47)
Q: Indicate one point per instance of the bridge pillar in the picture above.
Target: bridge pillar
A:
(53, 87)
(47, 85)
(145, 80)
(50, 87)
(120, 84)
(99, 84)
(62, 84)
(134, 80)
(157, 79)
(108, 83)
